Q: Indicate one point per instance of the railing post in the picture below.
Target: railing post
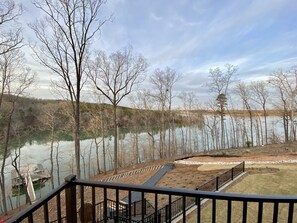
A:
(243, 166)
(166, 213)
(159, 217)
(232, 173)
(70, 192)
(145, 207)
(217, 183)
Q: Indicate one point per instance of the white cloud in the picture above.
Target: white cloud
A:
(156, 17)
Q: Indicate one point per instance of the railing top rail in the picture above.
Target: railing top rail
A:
(189, 193)
(40, 202)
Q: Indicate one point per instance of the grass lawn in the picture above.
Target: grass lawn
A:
(282, 182)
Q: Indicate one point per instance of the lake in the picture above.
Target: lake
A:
(186, 140)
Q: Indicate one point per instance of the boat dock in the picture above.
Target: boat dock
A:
(37, 172)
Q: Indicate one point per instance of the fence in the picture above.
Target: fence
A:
(219, 181)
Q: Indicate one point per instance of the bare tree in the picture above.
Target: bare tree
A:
(10, 41)
(10, 31)
(188, 99)
(222, 104)
(51, 117)
(221, 79)
(260, 94)
(163, 82)
(219, 84)
(286, 83)
(99, 123)
(114, 76)
(147, 102)
(65, 35)
(244, 91)
(136, 123)
(281, 104)
(15, 79)
(210, 125)
(96, 124)
(15, 164)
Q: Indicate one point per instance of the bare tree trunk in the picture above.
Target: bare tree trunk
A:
(135, 147)
(5, 153)
(58, 163)
(286, 127)
(245, 137)
(251, 128)
(97, 155)
(257, 131)
(222, 132)
(104, 155)
(174, 139)
(115, 142)
(203, 138)
(52, 158)
(183, 141)
(169, 140)
(190, 140)
(15, 165)
(103, 144)
(89, 161)
(265, 123)
(152, 144)
(84, 164)
(292, 115)
(77, 137)
(227, 139)
(233, 139)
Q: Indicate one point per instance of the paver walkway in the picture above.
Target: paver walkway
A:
(136, 196)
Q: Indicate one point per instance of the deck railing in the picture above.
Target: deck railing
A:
(64, 204)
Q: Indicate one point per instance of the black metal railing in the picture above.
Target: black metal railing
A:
(172, 210)
(219, 181)
(64, 204)
(136, 209)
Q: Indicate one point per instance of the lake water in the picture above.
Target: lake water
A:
(187, 139)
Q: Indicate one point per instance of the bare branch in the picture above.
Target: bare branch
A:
(10, 33)
(221, 79)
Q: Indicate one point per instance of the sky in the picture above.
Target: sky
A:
(257, 36)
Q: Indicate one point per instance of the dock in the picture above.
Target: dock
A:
(36, 171)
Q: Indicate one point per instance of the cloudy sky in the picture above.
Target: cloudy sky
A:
(258, 36)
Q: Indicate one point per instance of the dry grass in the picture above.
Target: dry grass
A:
(187, 177)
